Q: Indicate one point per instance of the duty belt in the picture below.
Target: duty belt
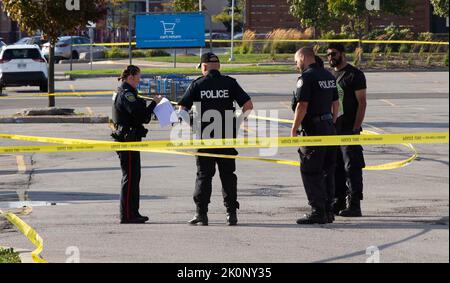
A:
(318, 119)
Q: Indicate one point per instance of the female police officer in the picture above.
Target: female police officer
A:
(130, 112)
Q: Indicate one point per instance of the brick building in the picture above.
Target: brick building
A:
(8, 29)
(263, 16)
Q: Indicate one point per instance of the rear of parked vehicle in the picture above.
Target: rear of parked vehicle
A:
(23, 65)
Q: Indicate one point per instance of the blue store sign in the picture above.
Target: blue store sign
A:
(170, 30)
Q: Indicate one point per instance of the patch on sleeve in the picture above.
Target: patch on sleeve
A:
(130, 97)
(299, 83)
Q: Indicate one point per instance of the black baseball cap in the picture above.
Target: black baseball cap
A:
(209, 58)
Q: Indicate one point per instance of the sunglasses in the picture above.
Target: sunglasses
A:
(332, 54)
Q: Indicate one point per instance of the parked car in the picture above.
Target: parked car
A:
(238, 36)
(63, 50)
(34, 40)
(23, 65)
(2, 44)
(218, 36)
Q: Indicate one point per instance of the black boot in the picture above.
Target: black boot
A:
(199, 219)
(134, 220)
(317, 216)
(330, 214)
(339, 205)
(353, 208)
(232, 219)
(145, 218)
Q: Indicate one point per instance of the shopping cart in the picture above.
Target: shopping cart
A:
(172, 87)
(169, 28)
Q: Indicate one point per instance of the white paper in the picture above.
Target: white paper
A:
(164, 110)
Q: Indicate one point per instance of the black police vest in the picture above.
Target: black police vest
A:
(119, 115)
(216, 94)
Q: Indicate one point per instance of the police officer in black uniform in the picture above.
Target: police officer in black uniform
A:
(130, 112)
(215, 92)
(352, 89)
(316, 103)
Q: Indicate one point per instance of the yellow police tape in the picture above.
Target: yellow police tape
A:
(387, 166)
(56, 94)
(281, 142)
(381, 167)
(28, 232)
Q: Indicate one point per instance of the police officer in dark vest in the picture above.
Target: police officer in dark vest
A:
(214, 96)
(316, 104)
(129, 114)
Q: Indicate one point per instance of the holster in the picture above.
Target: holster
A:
(128, 134)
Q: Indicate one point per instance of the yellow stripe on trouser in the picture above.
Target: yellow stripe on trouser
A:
(29, 232)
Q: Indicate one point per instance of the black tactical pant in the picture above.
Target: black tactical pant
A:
(349, 170)
(318, 167)
(206, 169)
(130, 162)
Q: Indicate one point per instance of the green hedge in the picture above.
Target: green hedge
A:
(139, 53)
(9, 256)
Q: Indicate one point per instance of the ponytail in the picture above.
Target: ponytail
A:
(129, 71)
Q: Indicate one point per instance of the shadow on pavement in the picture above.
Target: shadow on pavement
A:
(37, 196)
(409, 125)
(79, 170)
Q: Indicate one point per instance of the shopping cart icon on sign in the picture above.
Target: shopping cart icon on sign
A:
(169, 28)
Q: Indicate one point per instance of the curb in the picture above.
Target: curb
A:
(55, 119)
(74, 77)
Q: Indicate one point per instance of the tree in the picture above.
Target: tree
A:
(53, 19)
(185, 5)
(311, 13)
(117, 16)
(358, 16)
(440, 7)
(225, 16)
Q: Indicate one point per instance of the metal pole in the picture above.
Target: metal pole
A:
(71, 53)
(147, 6)
(210, 32)
(200, 8)
(175, 58)
(90, 51)
(232, 31)
(130, 53)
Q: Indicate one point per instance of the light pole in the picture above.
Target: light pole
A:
(147, 6)
(232, 30)
(200, 8)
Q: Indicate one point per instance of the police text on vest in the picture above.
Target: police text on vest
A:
(215, 94)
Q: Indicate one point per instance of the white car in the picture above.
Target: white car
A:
(23, 65)
(63, 50)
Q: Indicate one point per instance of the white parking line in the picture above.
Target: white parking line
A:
(387, 102)
(21, 166)
(89, 110)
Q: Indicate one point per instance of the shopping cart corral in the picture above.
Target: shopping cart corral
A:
(170, 86)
